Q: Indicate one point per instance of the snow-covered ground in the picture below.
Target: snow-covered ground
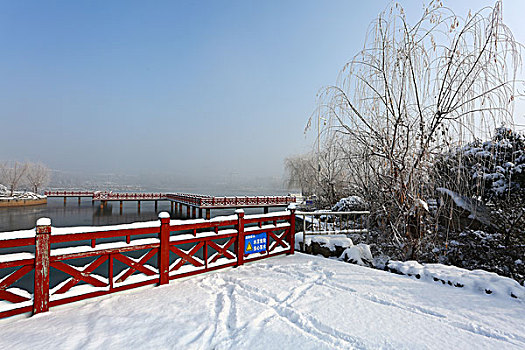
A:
(300, 302)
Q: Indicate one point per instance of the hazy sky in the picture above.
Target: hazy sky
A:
(186, 87)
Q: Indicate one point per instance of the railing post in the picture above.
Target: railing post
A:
(240, 236)
(42, 252)
(292, 207)
(164, 248)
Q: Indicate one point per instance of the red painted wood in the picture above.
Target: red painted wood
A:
(240, 238)
(265, 229)
(72, 237)
(17, 311)
(164, 251)
(16, 263)
(222, 251)
(202, 225)
(15, 276)
(187, 257)
(278, 240)
(81, 275)
(136, 266)
(273, 218)
(110, 271)
(205, 255)
(203, 239)
(292, 231)
(18, 242)
(42, 252)
(103, 252)
(11, 297)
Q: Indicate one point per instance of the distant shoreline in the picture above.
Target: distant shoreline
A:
(22, 202)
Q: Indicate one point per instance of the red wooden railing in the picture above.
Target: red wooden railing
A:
(69, 193)
(121, 257)
(108, 196)
(196, 200)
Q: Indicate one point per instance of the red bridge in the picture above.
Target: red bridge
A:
(178, 200)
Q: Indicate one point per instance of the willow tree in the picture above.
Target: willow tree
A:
(322, 173)
(413, 90)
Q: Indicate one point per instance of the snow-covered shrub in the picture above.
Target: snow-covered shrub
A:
(352, 203)
(490, 174)
(358, 254)
(488, 170)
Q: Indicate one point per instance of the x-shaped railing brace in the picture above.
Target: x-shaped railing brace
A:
(136, 266)
(12, 278)
(187, 257)
(222, 251)
(79, 275)
(278, 240)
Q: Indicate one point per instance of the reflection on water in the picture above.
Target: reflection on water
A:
(88, 214)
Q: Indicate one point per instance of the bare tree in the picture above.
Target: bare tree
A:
(12, 174)
(412, 91)
(301, 172)
(321, 173)
(37, 175)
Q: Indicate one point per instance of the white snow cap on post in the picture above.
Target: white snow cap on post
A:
(43, 222)
(292, 206)
(164, 215)
(238, 211)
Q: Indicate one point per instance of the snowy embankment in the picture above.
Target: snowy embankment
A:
(300, 301)
(477, 280)
(18, 195)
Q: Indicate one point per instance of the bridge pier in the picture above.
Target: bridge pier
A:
(171, 211)
(138, 207)
(65, 200)
(121, 207)
(200, 213)
(187, 211)
(265, 210)
(208, 214)
(194, 212)
(156, 206)
(79, 201)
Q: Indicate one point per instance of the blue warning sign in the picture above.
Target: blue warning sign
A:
(255, 243)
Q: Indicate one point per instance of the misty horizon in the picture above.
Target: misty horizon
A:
(187, 94)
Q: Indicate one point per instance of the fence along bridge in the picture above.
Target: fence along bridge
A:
(52, 266)
(193, 202)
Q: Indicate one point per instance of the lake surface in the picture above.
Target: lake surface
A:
(86, 214)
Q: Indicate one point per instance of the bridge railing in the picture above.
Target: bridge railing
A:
(190, 199)
(247, 201)
(46, 267)
(108, 196)
(333, 222)
(69, 193)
